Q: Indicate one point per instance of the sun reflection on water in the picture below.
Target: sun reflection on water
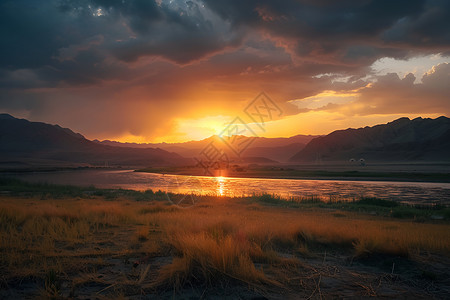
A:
(220, 186)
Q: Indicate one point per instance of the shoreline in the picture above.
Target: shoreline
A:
(413, 177)
(312, 175)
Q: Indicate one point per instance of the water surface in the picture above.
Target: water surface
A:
(411, 192)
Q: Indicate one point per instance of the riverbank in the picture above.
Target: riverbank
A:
(381, 172)
(84, 242)
(414, 172)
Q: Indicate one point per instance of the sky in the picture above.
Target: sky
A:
(173, 71)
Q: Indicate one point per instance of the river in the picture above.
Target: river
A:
(406, 192)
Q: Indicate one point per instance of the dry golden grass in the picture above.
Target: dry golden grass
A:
(203, 258)
(285, 228)
(210, 242)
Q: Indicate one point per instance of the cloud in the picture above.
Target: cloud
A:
(427, 29)
(133, 67)
(348, 33)
(391, 94)
(344, 32)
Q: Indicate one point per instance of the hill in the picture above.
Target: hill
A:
(273, 149)
(40, 143)
(401, 140)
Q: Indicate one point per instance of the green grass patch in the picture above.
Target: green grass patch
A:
(373, 206)
(15, 187)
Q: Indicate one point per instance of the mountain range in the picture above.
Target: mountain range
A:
(401, 140)
(260, 149)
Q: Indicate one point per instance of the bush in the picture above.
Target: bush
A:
(377, 202)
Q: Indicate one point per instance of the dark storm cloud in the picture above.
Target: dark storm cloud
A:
(51, 45)
(80, 41)
(427, 29)
(181, 31)
(318, 19)
(346, 32)
(36, 31)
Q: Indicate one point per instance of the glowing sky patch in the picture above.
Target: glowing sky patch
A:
(416, 65)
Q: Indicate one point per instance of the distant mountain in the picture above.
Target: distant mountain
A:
(280, 154)
(273, 149)
(257, 160)
(21, 140)
(400, 140)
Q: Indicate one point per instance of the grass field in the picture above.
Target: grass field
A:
(73, 242)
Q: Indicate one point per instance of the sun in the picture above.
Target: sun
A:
(200, 128)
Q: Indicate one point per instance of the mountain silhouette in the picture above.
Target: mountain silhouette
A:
(22, 140)
(401, 140)
(272, 149)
